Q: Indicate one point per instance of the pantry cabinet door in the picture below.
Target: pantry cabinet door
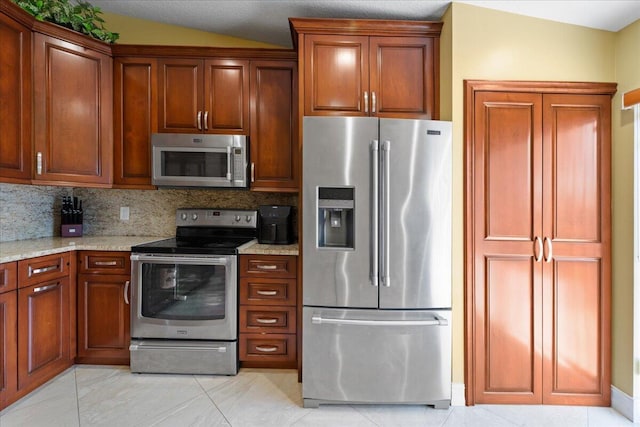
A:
(577, 218)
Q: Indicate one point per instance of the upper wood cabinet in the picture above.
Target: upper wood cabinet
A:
(15, 108)
(135, 119)
(208, 96)
(73, 139)
(274, 126)
(368, 67)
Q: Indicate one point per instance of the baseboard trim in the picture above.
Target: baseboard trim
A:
(625, 404)
(457, 394)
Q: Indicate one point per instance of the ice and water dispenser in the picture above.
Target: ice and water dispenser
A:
(335, 217)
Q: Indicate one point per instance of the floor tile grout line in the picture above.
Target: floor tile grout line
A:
(206, 393)
(75, 382)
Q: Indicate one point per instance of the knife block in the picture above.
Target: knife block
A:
(71, 230)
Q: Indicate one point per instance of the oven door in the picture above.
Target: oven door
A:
(184, 297)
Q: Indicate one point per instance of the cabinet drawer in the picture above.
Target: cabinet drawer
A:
(104, 262)
(267, 291)
(267, 348)
(35, 270)
(268, 265)
(257, 319)
(8, 276)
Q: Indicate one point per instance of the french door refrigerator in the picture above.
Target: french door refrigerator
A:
(376, 261)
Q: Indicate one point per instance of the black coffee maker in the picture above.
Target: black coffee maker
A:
(275, 225)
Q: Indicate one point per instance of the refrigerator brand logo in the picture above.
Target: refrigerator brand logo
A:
(433, 132)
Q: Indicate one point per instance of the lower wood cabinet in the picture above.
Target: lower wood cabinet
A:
(43, 332)
(103, 307)
(268, 311)
(8, 334)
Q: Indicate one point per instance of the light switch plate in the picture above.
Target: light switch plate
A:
(124, 213)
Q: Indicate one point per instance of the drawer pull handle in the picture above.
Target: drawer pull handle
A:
(264, 349)
(33, 271)
(267, 293)
(266, 267)
(106, 263)
(44, 288)
(268, 321)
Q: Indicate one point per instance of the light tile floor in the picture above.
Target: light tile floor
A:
(88, 395)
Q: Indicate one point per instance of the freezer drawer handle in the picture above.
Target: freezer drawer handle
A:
(437, 321)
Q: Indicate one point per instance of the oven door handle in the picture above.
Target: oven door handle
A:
(182, 259)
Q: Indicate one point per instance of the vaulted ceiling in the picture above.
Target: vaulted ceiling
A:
(266, 20)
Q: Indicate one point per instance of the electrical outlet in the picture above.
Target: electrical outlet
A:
(124, 213)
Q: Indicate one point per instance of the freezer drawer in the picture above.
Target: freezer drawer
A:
(374, 356)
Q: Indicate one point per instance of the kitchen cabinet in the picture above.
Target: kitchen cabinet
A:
(368, 67)
(8, 334)
(103, 307)
(135, 120)
(203, 95)
(73, 135)
(539, 243)
(15, 109)
(274, 126)
(44, 325)
(268, 311)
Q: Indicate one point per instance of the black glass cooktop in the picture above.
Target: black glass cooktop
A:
(199, 240)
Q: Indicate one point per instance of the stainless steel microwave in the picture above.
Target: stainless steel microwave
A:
(199, 160)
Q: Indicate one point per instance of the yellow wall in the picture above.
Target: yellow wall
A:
(140, 31)
(627, 62)
(493, 45)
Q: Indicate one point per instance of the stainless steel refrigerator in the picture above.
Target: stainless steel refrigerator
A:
(376, 261)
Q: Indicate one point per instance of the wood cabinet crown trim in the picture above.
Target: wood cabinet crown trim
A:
(585, 88)
(363, 27)
(200, 52)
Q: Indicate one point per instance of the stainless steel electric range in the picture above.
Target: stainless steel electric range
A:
(184, 312)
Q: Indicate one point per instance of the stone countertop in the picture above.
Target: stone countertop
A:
(23, 249)
(255, 248)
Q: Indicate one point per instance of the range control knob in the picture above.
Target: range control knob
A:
(183, 216)
(194, 216)
(248, 218)
(237, 218)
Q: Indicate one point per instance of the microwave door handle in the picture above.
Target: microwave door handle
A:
(229, 163)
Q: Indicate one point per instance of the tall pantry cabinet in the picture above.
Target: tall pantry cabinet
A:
(538, 233)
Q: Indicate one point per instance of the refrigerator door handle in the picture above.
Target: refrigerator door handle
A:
(436, 321)
(384, 213)
(375, 189)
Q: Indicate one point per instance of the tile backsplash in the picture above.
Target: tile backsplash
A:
(29, 211)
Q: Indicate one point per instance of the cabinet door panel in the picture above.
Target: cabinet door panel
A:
(577, 220)
(336, 75)
(274, 125)
(573, 127)
(15, 108)
(43, 339)
(393, 93)
(73, 106)
(507, 229)
(180, 93)
(8, 347)
(135, 107)
(226, 91)
(103, 317)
